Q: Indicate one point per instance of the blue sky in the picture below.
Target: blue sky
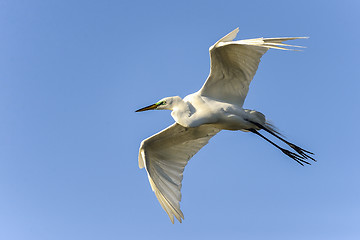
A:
(73, 72)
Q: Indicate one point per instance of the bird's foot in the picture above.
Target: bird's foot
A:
(298, 158)
(302, 152)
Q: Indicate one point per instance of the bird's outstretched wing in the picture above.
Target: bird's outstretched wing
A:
(165, 155)
(234, 64)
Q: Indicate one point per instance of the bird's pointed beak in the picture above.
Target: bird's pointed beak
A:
(151, 107)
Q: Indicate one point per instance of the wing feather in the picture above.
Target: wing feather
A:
(234, 64)
(165, 156)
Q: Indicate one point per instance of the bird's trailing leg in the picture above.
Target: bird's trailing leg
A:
(298, 158)
(304, 153)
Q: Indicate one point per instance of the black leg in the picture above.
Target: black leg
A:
(298, 158)
(298, 149)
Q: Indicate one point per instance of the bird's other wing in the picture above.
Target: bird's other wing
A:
(234, 64)
(165, 155)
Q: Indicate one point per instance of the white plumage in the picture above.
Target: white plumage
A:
(201, 115)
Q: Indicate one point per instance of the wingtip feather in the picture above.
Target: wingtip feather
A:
(165, 204)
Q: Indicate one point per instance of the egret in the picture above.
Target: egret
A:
(217, 106)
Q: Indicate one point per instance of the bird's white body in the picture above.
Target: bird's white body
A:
(195, 110)
(217, 106)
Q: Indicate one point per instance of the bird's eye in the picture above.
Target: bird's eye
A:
(161, 103)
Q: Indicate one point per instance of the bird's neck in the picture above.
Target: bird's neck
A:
(181, 113)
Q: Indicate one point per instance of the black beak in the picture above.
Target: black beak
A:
(150, 107)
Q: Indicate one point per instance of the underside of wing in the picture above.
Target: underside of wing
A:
(234, 64)
(165, 156)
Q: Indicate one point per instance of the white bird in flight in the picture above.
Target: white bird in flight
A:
(199, 116)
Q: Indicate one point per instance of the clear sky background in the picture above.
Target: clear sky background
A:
(72, 73)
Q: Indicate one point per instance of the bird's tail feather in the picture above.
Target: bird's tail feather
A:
(271, 127)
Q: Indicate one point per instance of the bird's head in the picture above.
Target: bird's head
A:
(167, 103)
